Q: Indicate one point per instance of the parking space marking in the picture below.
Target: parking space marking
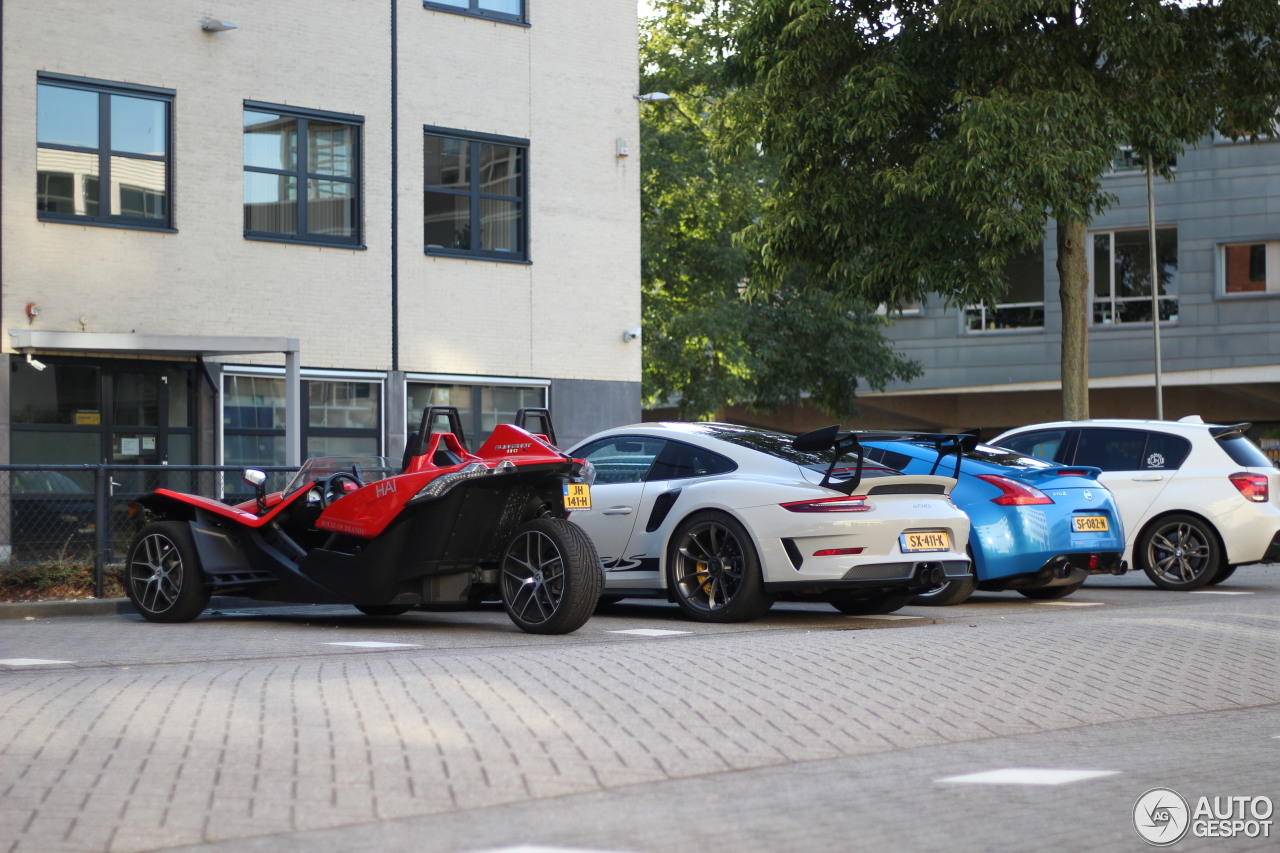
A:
(539, 848)
(1072, 603)
(650, 632)
(31, 661)
(1221, 592)
(1028, 776)
(373, 644)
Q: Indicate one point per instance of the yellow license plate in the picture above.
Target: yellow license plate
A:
(934, 540)
(1090, 524)
(577, 496)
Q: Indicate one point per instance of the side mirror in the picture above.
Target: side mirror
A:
(257, 479)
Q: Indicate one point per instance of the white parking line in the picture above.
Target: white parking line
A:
(30, 661)
(376, 645)
(539, 848)
(1028, 776)
(1072, 603)
(650, 632)
(1221, 592)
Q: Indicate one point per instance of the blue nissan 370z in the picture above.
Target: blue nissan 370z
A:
(1037, 527)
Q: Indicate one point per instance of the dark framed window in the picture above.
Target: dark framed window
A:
(340, 417)
(103, 153)
(1122, 279)
(1023, 305)
(474, 195)
(480, 407)
(301, 175)
(498, 10)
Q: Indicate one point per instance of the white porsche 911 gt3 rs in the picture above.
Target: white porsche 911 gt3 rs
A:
(724, 519)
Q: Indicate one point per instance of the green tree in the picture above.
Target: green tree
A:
(923, 144)
(707, 344)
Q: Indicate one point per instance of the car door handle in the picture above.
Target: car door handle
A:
(1148, 478)
(618, 510)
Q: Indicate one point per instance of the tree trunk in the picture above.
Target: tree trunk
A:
(1073, 291)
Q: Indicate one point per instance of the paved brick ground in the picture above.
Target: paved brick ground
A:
(244, 730)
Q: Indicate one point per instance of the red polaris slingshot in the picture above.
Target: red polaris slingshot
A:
(442, 529)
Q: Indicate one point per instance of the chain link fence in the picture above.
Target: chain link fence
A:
(79, 514)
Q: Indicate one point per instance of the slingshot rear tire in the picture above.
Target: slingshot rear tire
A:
(162, 575)
(550, 576)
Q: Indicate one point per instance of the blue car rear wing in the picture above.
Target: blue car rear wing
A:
(840, 443)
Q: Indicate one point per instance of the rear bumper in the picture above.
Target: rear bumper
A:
(906, 575)
(1273, 550)
(1063, 570)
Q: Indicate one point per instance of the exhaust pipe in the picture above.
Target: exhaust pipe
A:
(930, 574)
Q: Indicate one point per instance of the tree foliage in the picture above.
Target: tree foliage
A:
(923, 144)
(707, 344)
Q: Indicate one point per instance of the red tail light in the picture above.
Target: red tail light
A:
(1013, 492)
(838, 552)
(852, 503)
(1254, 487)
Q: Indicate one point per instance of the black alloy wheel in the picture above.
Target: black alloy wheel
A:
(162, 575)
(550, 576)
(713, 570)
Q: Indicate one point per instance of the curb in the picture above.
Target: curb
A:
(108, 607)
(76, 607)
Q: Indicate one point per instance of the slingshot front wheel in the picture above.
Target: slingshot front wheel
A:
(162, 575)
(550, 576)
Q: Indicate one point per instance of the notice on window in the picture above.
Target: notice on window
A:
(148, 442)
(130, 447)
(88, 418)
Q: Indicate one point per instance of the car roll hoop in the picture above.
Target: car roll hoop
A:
(850, 441)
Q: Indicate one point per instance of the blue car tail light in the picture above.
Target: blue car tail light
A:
(1013, 493)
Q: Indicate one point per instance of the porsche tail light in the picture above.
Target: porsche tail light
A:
(1013, 493)
(851, 503)
(1254, 487)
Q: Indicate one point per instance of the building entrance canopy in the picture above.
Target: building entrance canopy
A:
(31, 342)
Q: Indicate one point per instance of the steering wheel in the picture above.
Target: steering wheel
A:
(332, 488)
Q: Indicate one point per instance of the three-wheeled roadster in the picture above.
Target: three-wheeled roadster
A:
(442, 528)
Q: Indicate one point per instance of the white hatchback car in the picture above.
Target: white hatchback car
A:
(723, 519)
(1197, 499)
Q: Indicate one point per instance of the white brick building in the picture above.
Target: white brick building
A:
(329, 215)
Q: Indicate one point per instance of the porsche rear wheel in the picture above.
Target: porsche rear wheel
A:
(713, 570)
(162, 575)
(550, 576)
(856, 604)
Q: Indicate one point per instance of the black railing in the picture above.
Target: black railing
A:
(74, 513)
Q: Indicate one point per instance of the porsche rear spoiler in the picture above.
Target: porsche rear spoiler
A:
(840, 443)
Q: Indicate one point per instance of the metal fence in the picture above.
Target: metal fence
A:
(80, 513)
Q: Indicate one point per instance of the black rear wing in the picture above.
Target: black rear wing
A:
(840, 443)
